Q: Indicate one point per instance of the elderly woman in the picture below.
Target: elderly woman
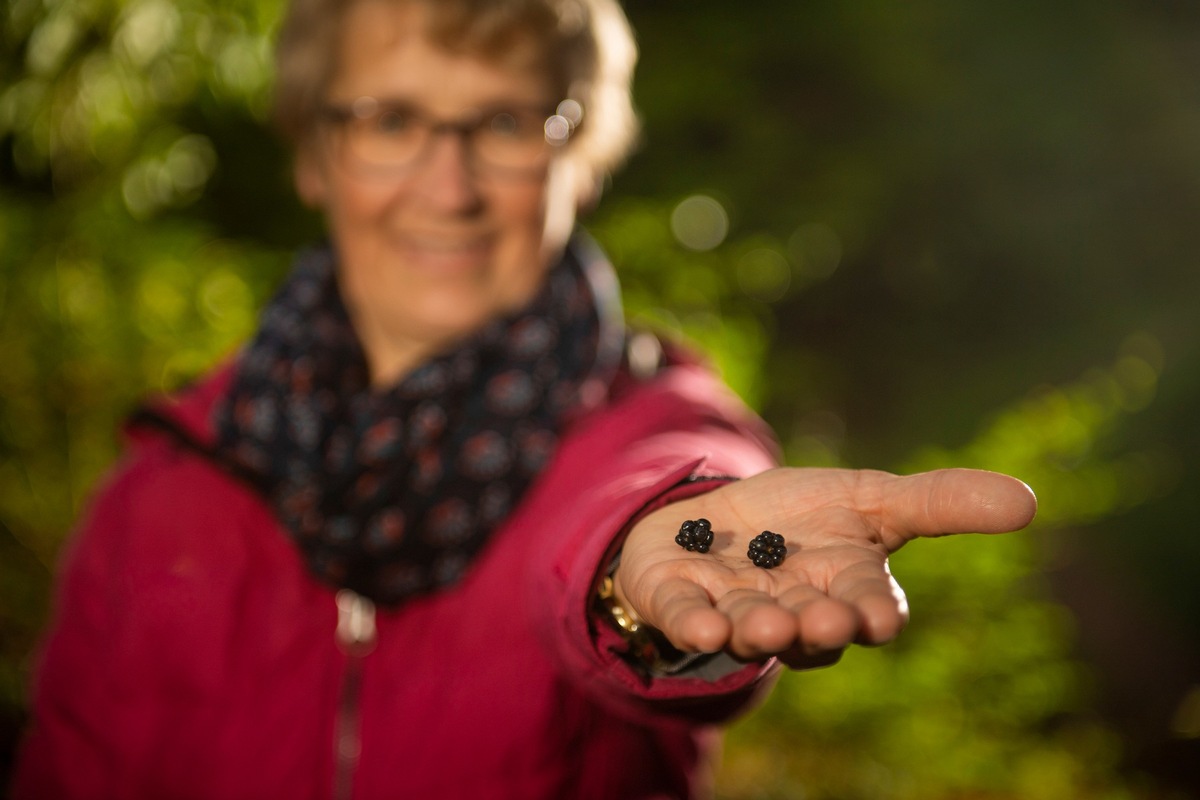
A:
(425, 535)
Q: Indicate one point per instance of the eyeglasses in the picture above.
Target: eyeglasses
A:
(389, 138)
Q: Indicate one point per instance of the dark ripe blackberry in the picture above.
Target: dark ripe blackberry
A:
(767, 550)
(695, 534)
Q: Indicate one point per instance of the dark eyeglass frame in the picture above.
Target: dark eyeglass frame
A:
(559, 123)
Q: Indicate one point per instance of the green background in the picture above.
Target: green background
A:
(912, 234)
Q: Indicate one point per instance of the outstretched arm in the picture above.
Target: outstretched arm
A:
(834, 588)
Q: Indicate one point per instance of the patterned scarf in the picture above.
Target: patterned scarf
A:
(391, 492)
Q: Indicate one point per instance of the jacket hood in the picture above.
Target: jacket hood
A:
(186, 412)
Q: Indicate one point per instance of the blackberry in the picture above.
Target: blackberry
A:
(695, 534)
(767, 550)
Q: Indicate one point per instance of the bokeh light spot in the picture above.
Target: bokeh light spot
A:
(225, 300)
(570, 110)
(699, 223)
(149, 28)
(190, 162)
(51, 42)
(558, 130)
(1138, 379)
(816, 249)
(764, 274)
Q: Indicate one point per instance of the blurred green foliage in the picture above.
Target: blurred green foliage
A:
(914, 235)
(987, 679)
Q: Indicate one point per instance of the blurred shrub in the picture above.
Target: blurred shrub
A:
(982, 697)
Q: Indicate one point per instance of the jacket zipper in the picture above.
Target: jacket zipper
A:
(355, 636)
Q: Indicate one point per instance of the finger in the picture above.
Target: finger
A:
(950, 501)
(761, 627)
(879, 603)
(823, 624)
(798, 659)
(682, 611)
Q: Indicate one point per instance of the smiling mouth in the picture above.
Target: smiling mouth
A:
(446, 254)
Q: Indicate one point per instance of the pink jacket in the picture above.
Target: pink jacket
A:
(192, 656)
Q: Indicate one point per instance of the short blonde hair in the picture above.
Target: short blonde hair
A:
(586, 46)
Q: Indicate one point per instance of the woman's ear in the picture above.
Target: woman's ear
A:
(308, 175)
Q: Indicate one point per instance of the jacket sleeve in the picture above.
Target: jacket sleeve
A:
(643, 454)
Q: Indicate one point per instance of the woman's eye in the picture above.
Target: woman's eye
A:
(508, 125)
(393, 122)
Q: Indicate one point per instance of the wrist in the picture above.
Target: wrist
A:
(625, 620)
(645, 647)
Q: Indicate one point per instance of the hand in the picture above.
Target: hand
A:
(833, 588)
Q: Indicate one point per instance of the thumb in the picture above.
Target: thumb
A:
(954, 501)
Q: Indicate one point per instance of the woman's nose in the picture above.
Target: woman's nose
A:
(447, 176)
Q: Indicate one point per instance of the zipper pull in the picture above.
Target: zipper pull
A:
(356, 631)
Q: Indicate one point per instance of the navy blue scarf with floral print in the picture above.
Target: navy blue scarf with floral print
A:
(391, 492)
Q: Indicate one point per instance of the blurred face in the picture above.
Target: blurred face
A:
(431, 252)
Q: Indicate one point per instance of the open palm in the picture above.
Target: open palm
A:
(833, 588)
